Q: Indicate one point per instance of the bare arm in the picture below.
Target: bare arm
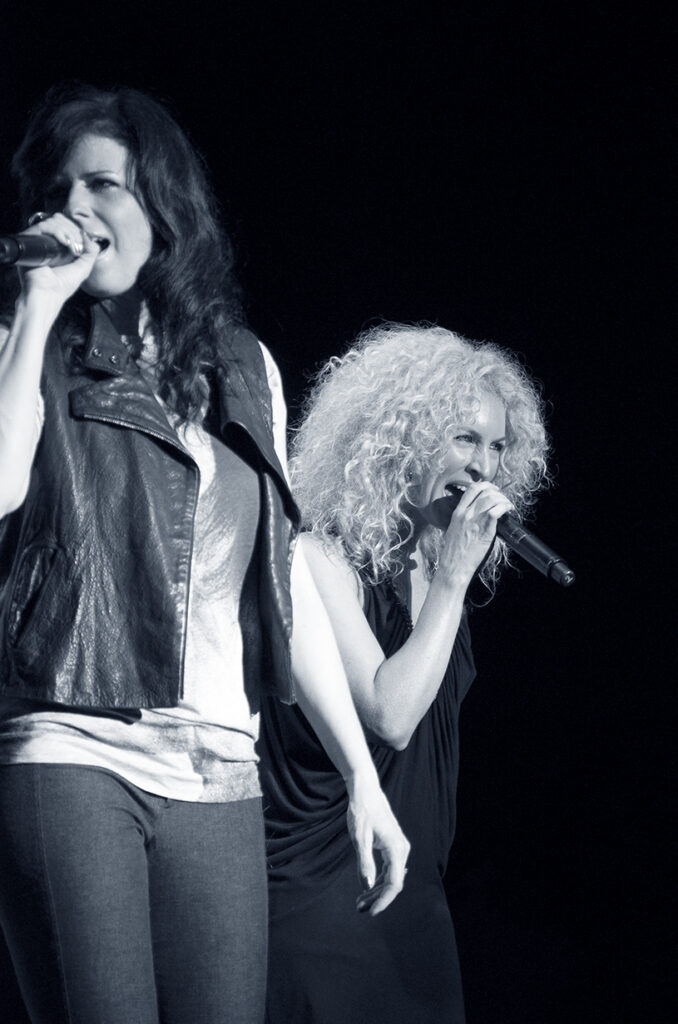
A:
(325, 699)
(393, 694)
(44, 291)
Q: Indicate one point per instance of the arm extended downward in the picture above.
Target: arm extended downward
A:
(325, 699)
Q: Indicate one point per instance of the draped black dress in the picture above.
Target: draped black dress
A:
(328, 963)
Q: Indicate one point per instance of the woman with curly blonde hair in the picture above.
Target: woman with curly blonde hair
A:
(408, 415)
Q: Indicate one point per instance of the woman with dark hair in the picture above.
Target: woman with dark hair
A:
(147, 592)
(407, 416)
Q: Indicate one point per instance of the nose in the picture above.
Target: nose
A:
(479, 468)
(77, 204)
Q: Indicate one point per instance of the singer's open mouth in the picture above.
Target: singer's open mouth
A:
(455, 487)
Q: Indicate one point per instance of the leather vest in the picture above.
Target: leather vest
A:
(95, 565)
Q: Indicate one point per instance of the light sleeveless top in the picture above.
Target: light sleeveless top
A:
(203, 749)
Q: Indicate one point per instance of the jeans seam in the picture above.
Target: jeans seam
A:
(50, 900)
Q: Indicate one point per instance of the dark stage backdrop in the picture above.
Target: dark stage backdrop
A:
(507, 170)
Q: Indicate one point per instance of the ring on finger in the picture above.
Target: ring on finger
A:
(35, 218)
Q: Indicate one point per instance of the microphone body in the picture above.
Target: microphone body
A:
(533, 550)
(518, 538)
(24, 250)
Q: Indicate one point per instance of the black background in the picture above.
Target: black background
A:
(506, 170)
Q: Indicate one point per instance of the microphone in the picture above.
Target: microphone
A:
(517, 537)
(33, 251)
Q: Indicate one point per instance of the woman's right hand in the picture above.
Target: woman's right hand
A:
(471, 531)
(60, 282)
(44, 290)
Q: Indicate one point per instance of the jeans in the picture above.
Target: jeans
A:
(120, 907)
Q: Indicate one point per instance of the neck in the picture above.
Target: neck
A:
(411, 557)
(411, 585)
(124, 311)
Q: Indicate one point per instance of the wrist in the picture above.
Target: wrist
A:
(39, 306)
(361, 778)
(454, 580)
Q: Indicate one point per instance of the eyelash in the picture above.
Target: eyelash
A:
(469, 439)
(101, 184)
(57, 194)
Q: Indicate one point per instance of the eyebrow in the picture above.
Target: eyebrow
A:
(465, 429)
(90, 174)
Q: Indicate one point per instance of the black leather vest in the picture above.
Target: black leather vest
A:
(95, 565)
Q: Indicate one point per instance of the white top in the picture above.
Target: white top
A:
(203, 749)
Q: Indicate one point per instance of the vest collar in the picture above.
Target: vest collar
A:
(105, 351)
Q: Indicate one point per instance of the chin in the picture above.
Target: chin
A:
(102, 290)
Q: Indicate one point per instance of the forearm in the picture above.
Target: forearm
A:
(322, 690)
(325, 698)
(21, 360)
(391, 694)
(406, 684)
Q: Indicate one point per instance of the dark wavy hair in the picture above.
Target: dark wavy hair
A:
(188, 284)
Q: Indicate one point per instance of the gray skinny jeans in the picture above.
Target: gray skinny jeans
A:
(120, 907)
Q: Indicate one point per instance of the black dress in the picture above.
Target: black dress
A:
(328, 963)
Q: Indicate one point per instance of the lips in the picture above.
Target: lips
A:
(99, 240)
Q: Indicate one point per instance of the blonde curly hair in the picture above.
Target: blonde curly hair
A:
(381, 417)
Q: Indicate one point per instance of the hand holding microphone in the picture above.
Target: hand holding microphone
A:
(33, 248)
(515, 535)
(24, 250)
(50, 243)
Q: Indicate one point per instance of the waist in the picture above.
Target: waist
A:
(168, 752)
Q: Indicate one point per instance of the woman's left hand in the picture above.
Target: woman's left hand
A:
(372, 825)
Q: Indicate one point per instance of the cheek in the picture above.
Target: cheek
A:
(141, 234)
(137, 236)
(136, 249)
(145, 246)
(495, 467)
(457, 459)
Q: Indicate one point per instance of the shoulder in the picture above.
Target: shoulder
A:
(278, 406)
(329, 566)
(244, 349)
(272, 371)
(273, 377)
(250, 351)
